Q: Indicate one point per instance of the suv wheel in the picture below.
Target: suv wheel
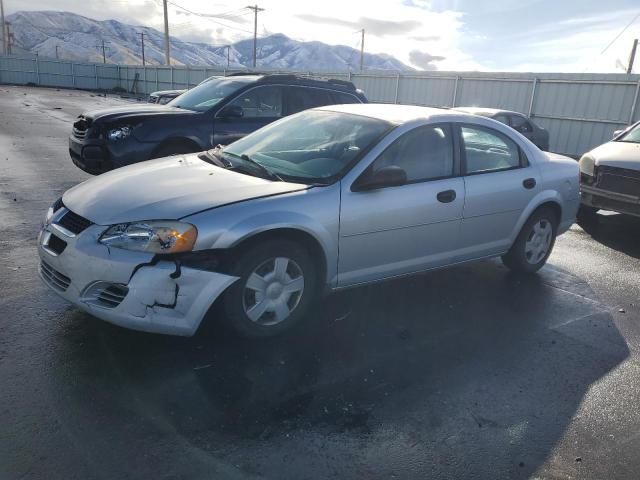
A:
(277, 285)
(587, 216)
(534, 244)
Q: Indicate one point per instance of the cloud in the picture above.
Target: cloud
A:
(372, 26)
(424, 60)
(425, 38)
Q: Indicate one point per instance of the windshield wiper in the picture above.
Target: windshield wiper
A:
(269, 173)
(210, 156)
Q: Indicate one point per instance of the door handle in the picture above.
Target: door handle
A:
(529, 183)
(447, 196)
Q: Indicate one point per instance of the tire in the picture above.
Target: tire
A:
(172, 149)
(264, 276)
(587, 216)
(534, 243)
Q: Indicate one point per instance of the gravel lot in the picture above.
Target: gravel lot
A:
(471, 372)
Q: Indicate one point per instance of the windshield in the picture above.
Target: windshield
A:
(311, 147)
(208, 94)
(632, 135)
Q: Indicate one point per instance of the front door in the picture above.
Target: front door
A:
(403, 229)
(260, 106)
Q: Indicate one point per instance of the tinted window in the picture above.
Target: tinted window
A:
(502, 118)
(261, 102)
(488, 150)
(339, 98)
(206, 95)
(424, 153)
(520, 124)
(300, 98)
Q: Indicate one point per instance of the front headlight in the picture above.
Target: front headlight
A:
(587, 165)
(119, 133)
(156, 236)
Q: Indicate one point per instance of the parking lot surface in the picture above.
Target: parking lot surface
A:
(471, 372)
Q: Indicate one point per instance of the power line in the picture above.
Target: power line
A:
(207, 17)
(620, 34)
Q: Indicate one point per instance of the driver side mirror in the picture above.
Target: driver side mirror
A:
(231, 111)
(617, 132)
(391, 176)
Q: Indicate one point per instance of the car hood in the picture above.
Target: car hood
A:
(617, 154)
(166, 189)
(132, 111)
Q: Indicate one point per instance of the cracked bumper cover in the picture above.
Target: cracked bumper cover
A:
(155, 302)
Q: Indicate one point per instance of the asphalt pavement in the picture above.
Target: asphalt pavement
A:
(467, 373)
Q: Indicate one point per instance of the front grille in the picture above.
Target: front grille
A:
(619, 180)
(73, 222)
(54, 279)
(79, 133)
(56, 245)
(105, 294)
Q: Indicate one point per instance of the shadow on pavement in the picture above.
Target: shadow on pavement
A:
(619, 232)
(470, 372)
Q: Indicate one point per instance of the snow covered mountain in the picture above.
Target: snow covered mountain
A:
(80, 38)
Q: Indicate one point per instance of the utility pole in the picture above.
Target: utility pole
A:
(11, 38)
(362, 51)
(167, 49)
(3, 29)
(142, 34)
(632, 57)
(255, 30)
(104, 51)
(57, 47)
(228, 49)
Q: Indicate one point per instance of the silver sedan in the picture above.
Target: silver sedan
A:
(324, 200)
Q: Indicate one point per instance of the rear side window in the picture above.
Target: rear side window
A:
(339, 97)
(261, 102)
(424, 153)
(520, 124)
(301, 98)
(486, 150)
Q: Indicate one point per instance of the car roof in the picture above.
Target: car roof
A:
(392, 113)
(487, 112)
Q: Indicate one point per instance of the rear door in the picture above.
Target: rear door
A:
(260, 106)
(403, 229)
(499, 184)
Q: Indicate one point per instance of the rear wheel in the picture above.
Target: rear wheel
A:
(277, 285)
(534, 244)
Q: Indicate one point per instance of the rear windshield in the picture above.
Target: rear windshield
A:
(209, 94)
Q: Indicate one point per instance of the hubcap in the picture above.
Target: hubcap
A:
(537, 245)
(273, 291)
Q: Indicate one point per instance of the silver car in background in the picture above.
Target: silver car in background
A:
(610, 176)
(326, 199)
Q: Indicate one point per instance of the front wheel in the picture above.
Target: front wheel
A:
(587, 216)
(278, 282)
(534, 244)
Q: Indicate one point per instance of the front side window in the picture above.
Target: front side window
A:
(424, 153)
(487, 150)
(313, 146)
(261, 102)
(209, 94)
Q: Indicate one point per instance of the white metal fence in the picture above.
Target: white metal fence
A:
(579, 110)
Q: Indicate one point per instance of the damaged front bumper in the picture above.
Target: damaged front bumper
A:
(127, 288)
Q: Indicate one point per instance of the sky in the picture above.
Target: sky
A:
(488, 35)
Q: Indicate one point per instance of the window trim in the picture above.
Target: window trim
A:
(455, 151)
(523, 161)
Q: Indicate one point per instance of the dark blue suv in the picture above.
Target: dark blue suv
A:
(217, 112)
